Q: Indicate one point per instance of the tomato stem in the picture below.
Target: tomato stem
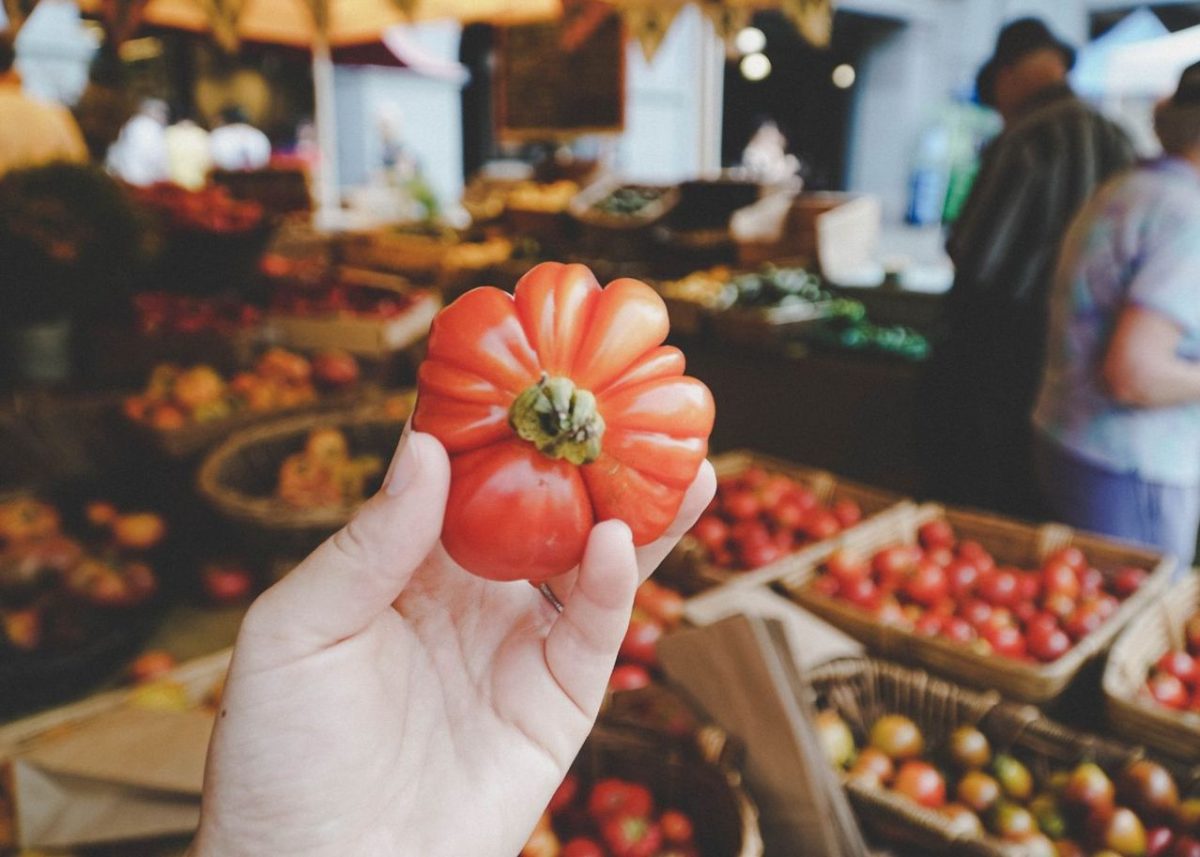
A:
(559, 419)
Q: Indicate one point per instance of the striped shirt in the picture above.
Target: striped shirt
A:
(1033, 179)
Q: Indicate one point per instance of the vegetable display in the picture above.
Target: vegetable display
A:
(559, 407)
(1174, 679)
(955, 589)
(1136, 810)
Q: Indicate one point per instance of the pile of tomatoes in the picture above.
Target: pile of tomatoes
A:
(612, 818)
(759, 516)
(1070, 812)
(656, 610)
(163, 313)
(944, 587)
(1174, 680)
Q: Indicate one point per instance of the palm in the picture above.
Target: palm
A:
(440, 726)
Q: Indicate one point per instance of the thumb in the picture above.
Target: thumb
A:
(359, 571)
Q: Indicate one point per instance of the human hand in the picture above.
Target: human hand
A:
(383, 701)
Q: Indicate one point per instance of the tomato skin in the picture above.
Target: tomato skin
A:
(514, 512)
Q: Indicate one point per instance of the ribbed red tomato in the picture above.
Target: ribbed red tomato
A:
(559, 407)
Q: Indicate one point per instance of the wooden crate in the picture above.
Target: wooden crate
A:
(1012, 543)
(1133, 714)
(372, 338)
(688, 569)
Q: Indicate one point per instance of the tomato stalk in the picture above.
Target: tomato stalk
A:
(560, 419)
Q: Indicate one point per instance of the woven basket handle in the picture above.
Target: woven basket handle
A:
(1051, 537)
(822, 485)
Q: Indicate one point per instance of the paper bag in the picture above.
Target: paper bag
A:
(127, 774)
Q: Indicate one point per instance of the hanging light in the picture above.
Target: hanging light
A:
(844, 76)
(750, 40)
(755, 67)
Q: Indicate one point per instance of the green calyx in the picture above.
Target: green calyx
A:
(559, 419)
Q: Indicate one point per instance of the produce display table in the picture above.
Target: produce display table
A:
(851, 414)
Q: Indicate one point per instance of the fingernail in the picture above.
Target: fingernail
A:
(405, 465)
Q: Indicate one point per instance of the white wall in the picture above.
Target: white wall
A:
(672, 108)
(431, 110)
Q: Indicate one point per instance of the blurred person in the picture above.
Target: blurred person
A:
(238, 145)
(139, 156)
(1118, 417)
(106, 105)
(32, 132)
(382, 701)
(189, 157)
(1054, 152)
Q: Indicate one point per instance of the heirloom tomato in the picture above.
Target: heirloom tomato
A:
(559, 407)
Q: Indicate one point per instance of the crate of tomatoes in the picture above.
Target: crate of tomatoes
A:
(1152, 678)
(765, 516)
(945, 770)
(982, 599)
(634, 792)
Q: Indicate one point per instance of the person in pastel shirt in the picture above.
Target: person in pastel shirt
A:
(32, 132)
(1118, 416)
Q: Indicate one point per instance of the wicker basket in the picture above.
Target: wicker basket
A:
(1133, 714)
(688, 568)
(194, 438)
(238, 478)
(750, 327)
(693, 776)
(1012, 543)
(619, 237)
(861, 690)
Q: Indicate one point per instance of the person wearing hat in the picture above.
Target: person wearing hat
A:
(1118, 416)
(1054, 152)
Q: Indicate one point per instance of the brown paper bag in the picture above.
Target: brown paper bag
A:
(126, 774)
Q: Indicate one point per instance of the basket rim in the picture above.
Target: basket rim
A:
(241, 506)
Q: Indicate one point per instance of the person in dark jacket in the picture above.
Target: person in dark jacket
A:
(1054, 152)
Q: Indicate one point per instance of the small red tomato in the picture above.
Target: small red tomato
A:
(1029, 588)
(927, 585)
(582, 847)
(756, 555)
(1059, 604)
(892, 564)
(676, 827)
(999, 587)
(936, 534)
(1091, 583)
(611, 796)
(641, 640)
(826, 585)
(1070, 556)
(976, 612)
(1128, 581)
(958, 630)
(1159, 841)
(564, 795)
(1168, 690)
(961, 576)
(711, 532)
(889, 612)
(921, 782)
(929, 625)
(226, 584)
(631, 835)
(847, 513)
(843, 566)
(941, 556)
(862, 593)
(1083, 621)
(788, 515)
(1047, 643)
(754, 477)
(151, 665)
(821, 524)
(1181, 665)
(1041, 621)
(772, 492)
(1006, 641)
(741, 505)
(1106, 605)
(1059, 577)
(975, 553)
(629, 677)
